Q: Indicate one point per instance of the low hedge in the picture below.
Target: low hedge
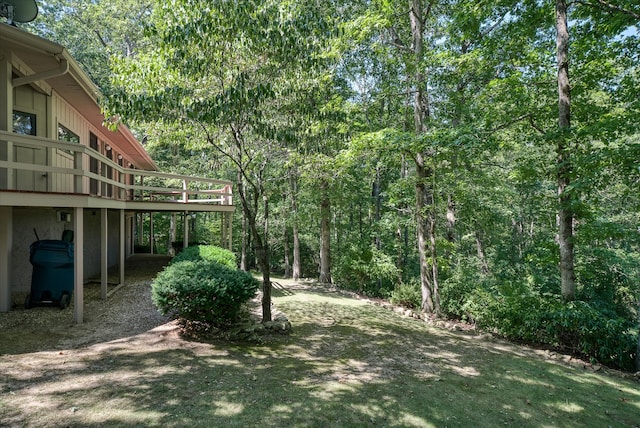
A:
(195, 288)
(207, 252)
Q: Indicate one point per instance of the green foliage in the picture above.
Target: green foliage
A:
(278, 78)
(198, 289)
(408, 295)
(368, 271)
(209, 253)
(581, 328)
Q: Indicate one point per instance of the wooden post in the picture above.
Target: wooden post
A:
(185, 197)
(6, 242)
(151, 233)
(123, 246)
(185, 235)
(104, 252)
(78, 185)
(6, 119)
(230, 231)
(78, 263)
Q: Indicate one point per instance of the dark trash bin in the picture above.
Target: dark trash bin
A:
(53, 274)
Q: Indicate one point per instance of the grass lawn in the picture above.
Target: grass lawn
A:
(347, 363)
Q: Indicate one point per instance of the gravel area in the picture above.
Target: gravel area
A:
(127, 311)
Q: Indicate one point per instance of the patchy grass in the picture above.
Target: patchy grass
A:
(347, 363)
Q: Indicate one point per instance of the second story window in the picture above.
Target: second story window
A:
(64, 134)
(24, 123)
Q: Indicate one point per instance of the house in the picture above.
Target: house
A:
(61, 170)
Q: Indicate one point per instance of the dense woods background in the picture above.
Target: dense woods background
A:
(477, 160)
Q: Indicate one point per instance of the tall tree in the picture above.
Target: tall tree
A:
(222, 71)
(425, 212)
(565, 210)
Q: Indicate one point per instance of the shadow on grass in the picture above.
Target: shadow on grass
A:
(347, 363)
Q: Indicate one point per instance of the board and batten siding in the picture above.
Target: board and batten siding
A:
(27, 100)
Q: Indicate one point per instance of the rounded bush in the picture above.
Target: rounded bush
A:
(209, 253)
(201, 290)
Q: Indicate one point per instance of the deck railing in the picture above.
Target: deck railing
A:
(29, 163)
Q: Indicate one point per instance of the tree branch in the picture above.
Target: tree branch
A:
(608, 5)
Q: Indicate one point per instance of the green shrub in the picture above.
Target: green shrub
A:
(207, 252)
(408, 295)
(366, 270)
(517, 310)
(576, 327)
(201, 290)
(582, 328)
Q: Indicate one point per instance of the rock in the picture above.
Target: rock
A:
(281, 318)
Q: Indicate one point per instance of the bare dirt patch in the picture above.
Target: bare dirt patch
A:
(127, 312)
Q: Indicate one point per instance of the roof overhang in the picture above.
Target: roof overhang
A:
(62, 74)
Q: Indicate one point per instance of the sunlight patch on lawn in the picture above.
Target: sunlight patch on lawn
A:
(331, 390)
(528, 381)
(567, 407)
(227, 409)
(409, 420)
(281, 408)
(112, 416)
(466, 371)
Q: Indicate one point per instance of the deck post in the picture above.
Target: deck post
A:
(6, 119)
(230, 232)
(185, 234)
(78, 263)
(151, 240)
(104, 252)
(6, 242)
(123, 246)
(78, 164)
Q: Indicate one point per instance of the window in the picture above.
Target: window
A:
(24, 123)
(65, 135)
(94, 164)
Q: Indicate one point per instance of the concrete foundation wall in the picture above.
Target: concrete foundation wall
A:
(49, 226)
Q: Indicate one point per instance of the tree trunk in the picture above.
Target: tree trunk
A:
(260, 242)
(377, 201)
(565, 211)
(484, 267)
(325, 235)
(294, 229)
(422, 229)
(287, 261)
(296, 271)
(172, 234)
(245, 245)
(265, 265)
(451, 220)
(425, 220)
(638, 348)
(401, 231)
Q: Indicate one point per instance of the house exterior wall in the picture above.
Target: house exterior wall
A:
(52, 111)
(48, 226)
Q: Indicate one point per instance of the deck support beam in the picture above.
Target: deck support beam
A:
(123, 246)
(78, 264)
(185, 234)
(104, 253)
(6, 242)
